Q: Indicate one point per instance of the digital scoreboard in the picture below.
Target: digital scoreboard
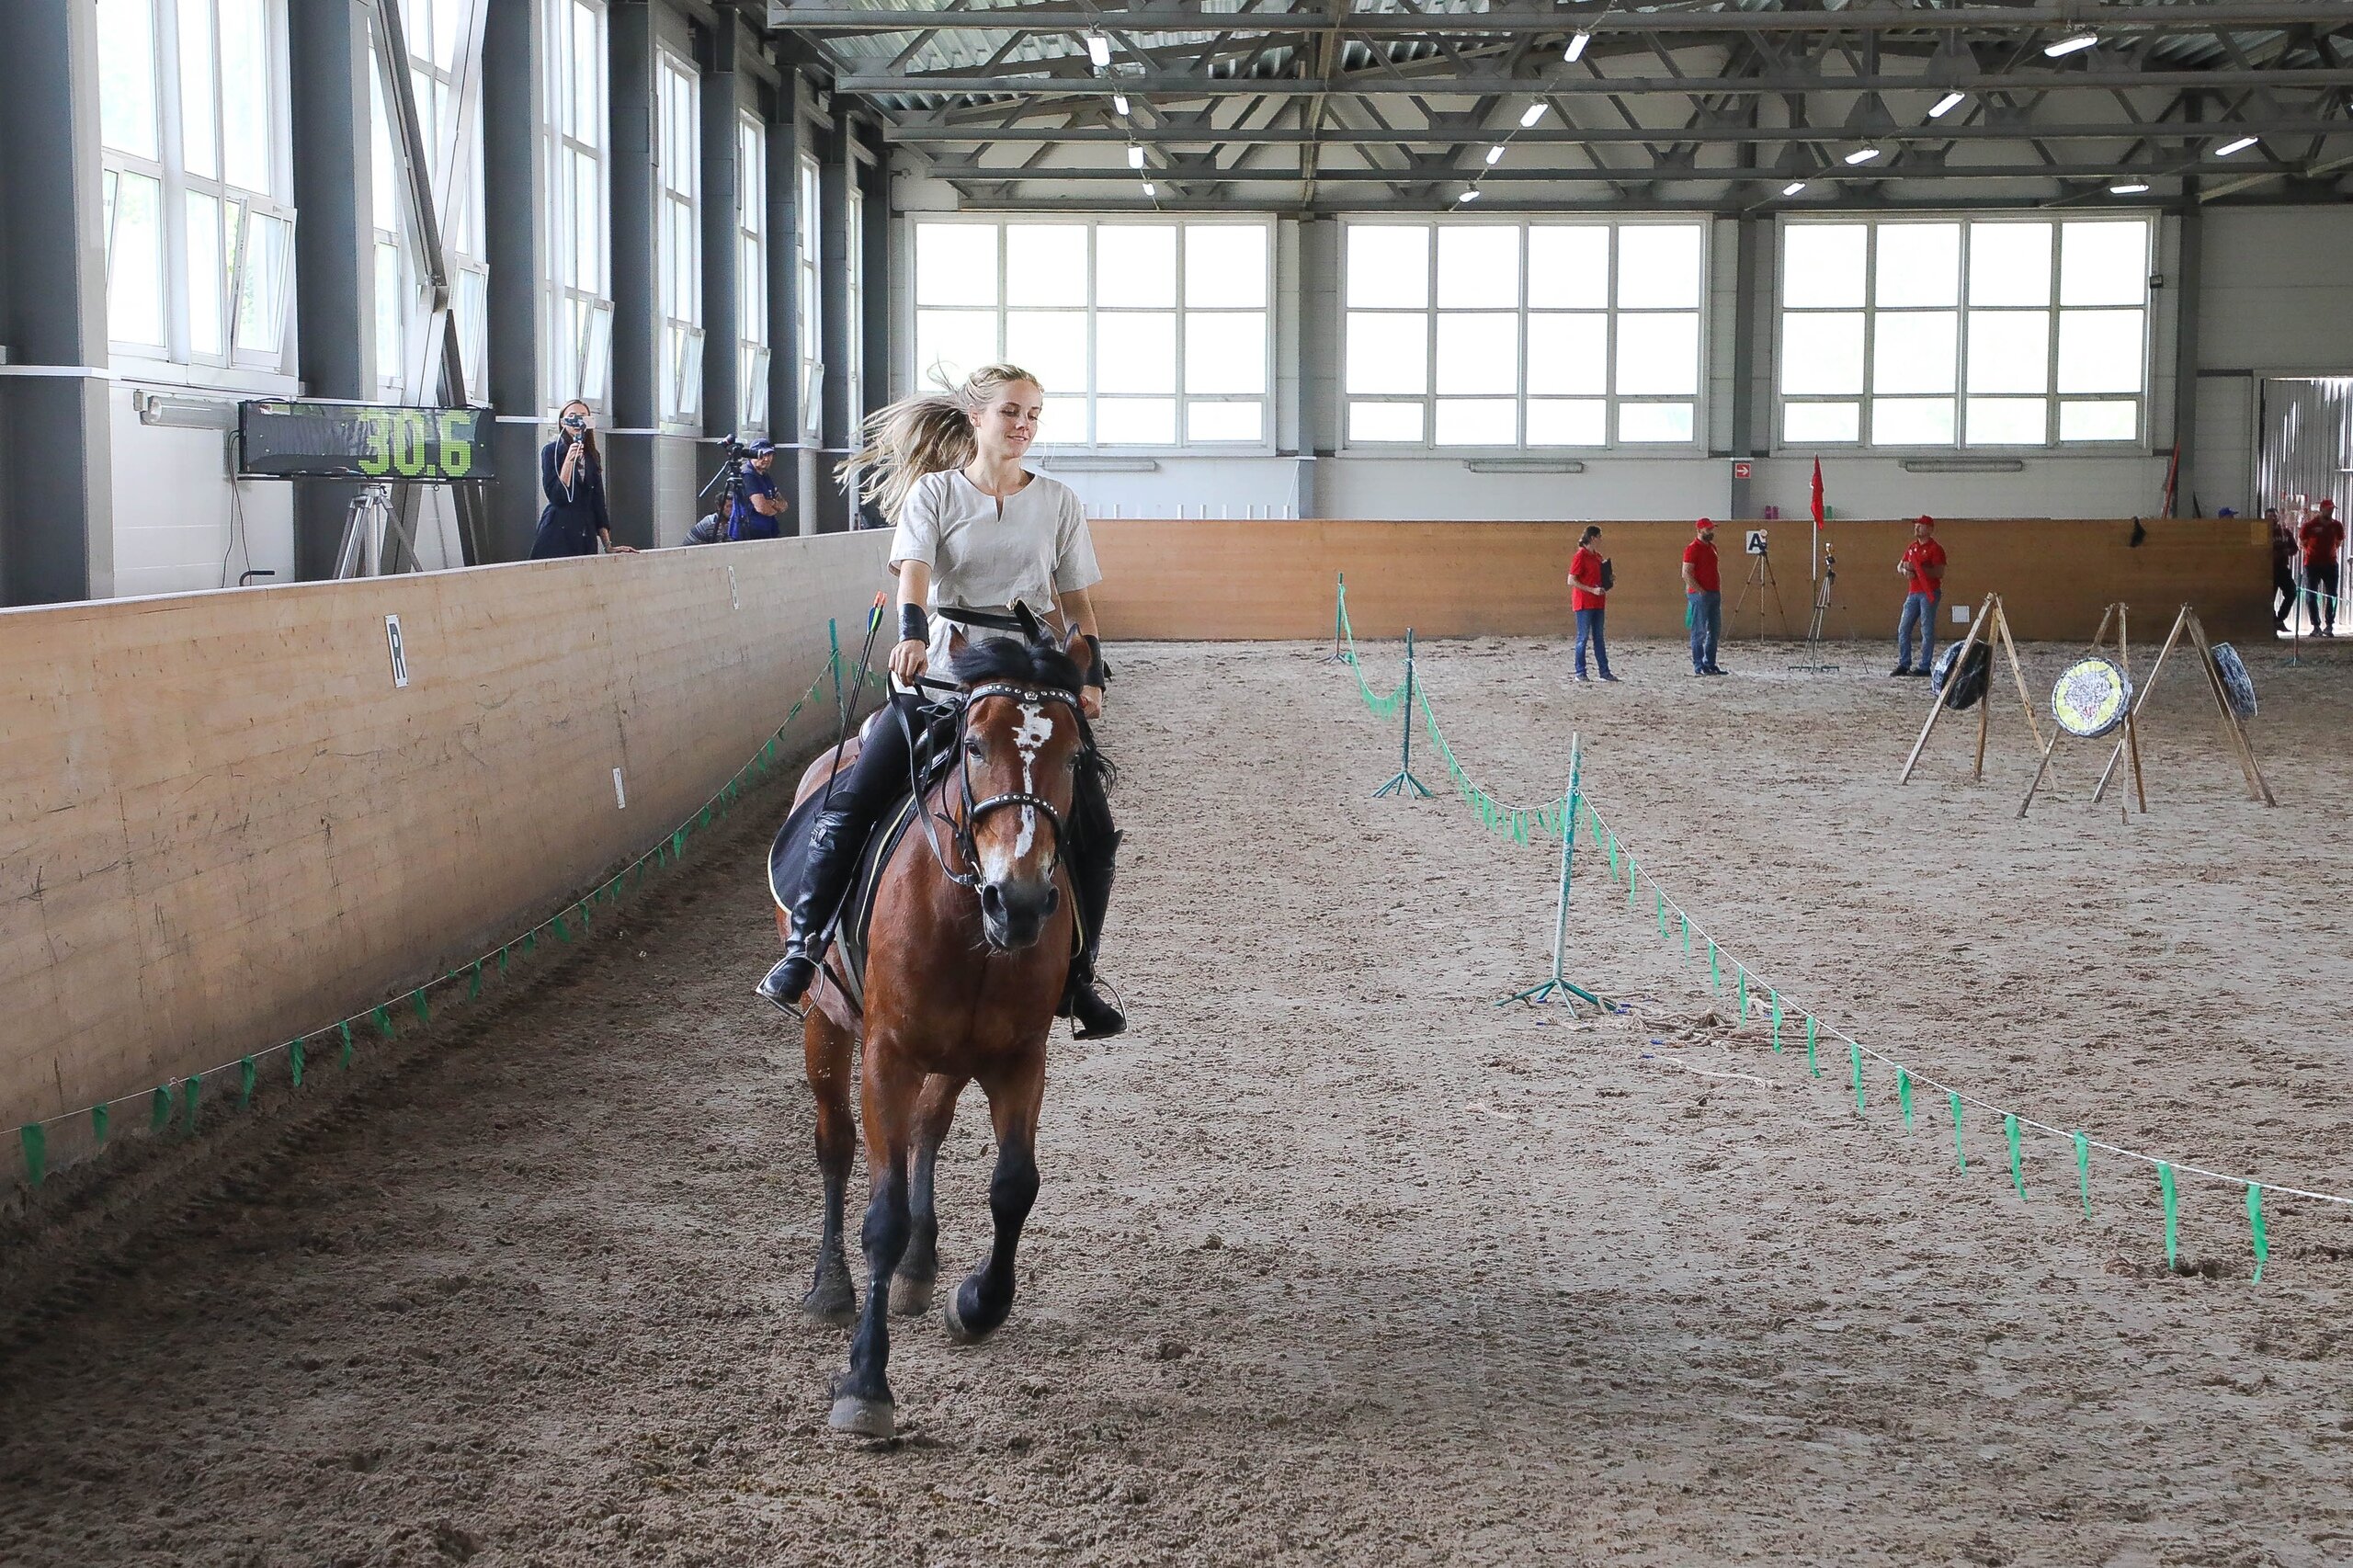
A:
(385, 443)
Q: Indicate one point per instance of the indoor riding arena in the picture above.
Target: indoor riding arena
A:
(1175, 782)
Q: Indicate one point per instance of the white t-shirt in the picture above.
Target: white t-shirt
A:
(1037, 549)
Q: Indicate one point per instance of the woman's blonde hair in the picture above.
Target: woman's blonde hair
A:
(929, 433)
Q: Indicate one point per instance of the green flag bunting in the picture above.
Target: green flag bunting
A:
(1959, 1154)
(1903, 1095)
(35, 1139)
(2255, 1229)
(2173, 1213)
(2010, 1134)
(2083, 1171)
(247, 1075)
(1854, 1057)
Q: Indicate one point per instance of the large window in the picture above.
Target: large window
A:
(579, 297)
(1144, 334)
(752, 273)
(445, 79)
(1949, 333)
(192, 112)
(1535, 334)
(677, 237)
(807, 320)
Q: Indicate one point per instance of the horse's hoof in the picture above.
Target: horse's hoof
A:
(909, 1298)
(832, 1301)
(863, 1417)
(958, 1329)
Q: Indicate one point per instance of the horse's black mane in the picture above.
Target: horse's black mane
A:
(1033, 664)
(1022, 662)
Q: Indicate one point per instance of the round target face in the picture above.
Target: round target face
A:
(2091, 697)
(2238, 686)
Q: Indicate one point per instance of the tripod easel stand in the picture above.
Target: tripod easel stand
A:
(1989, 614)
(2240, 748)
(2129, 743)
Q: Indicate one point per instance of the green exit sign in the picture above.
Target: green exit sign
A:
(363, 441)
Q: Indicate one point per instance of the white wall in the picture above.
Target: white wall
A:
(179, 523)
(2276, 299)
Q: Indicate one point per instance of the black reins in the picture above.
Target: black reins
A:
(961, 829)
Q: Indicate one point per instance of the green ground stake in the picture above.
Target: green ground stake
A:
(2010, 1133)
(2253, 1225)
(1959, 1154)
(1777, 1019)
(473, 981)
(2083, 1171)
(383, 1023)
(1687, 934)
(1813, 1068)
(97, 1124)
(246, 1076)
(1632, 875)
(530, 941)
(294, 1061)
(1854, 1056)
(424, 1011)
(563, 932)
(345, 1028)
(2173, 1213)
(502, 961)
(1903, 1096)
(1715, 971)
(195, 1082)
(1741, 975)
(159, 1114)
(36, 1141)
(1661, 910)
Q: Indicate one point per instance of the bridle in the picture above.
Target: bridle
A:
(961, 828)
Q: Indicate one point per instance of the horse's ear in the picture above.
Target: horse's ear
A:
(1033, 631)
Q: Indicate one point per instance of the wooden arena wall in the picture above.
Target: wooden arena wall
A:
(1273, 579)
(225, 826)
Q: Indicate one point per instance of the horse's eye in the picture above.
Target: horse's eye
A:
(973, 749)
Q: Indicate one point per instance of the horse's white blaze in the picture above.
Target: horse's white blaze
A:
(1037, 727)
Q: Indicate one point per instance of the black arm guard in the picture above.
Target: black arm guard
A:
(914, 625)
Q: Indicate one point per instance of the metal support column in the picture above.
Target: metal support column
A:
(628, 439)
(56, 453)
(514, 186)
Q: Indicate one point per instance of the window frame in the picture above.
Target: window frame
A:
(2054, 443)
(236, 362)
(578, 317)
(1180, 310)
(677, 180)
(1613, 401)
(753, 316)
(808, 299)
(455, 91)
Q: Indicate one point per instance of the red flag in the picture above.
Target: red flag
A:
(1817, 494)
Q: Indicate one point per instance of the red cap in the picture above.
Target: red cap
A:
(2328, 505)
(1703, 523)
(1925, 520)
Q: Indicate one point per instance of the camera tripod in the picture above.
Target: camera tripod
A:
(1760, 582)
(1815, 623)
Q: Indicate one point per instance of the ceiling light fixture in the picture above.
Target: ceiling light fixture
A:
(1947, 104)
(1862, 154)
(2076, 43)
(1530, 115)
(1494, 156)
(1135, 156)
(1119, 103)
(2241, 145)
(1793, 188)
(1150, 188)
(1098, 48)
(1470, 195)
(2130, 188)
(1578, 40)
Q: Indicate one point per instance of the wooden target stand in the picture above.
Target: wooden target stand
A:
(2232, 730)
(1989, 615)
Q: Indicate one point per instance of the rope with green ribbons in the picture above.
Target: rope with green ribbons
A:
(1523, 823)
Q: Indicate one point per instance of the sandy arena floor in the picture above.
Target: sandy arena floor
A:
(1336, 1262)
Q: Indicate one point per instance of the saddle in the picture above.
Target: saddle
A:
(788, 856)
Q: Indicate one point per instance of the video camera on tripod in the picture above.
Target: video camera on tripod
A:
(725, 520)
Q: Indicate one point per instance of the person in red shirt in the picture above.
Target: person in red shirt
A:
(2323, 537)
(1922, 568)
(1703, 598)
(1590, 596)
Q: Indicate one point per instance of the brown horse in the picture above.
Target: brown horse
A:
(970, 943)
